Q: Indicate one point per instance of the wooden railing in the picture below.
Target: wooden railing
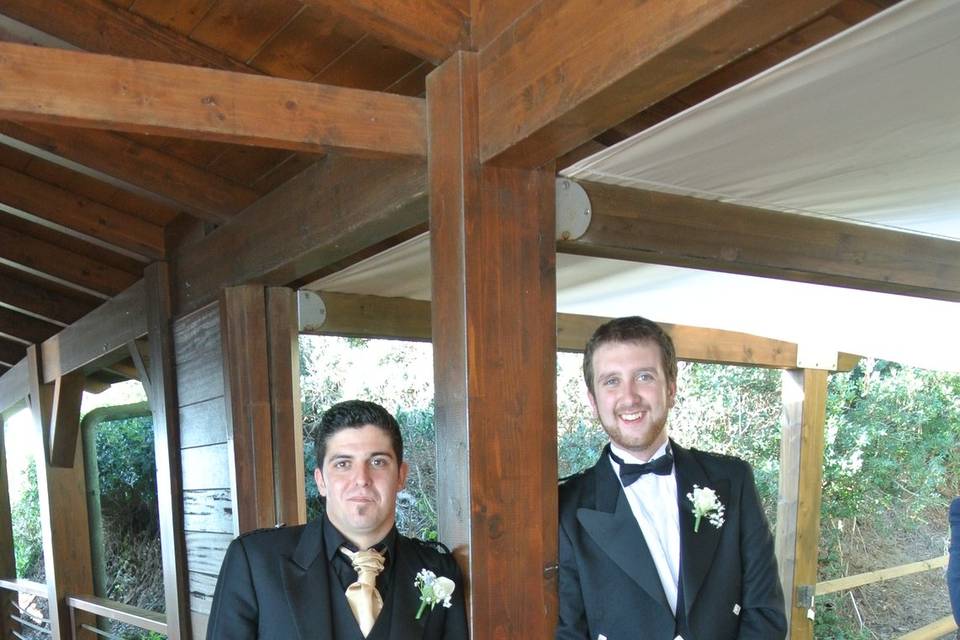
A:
(929, 632)
(100, 607)
(31, 624)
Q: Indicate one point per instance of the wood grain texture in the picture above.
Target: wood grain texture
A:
(660, 228)
(206, 551)
(206, 467)
(104, 330)
(66, 87)
(166, 445)
(209, 510)
(283, 349)
(131, 166)
(246, 372)
(35, 200)
(494, 311)
(203, 423)
(326, 214)
(198, 354)
(14, 385)
(30, 296)
(68, 565)
(798, 505)
(47, 260)
(65, 418)
(547, 84)
(429, 29)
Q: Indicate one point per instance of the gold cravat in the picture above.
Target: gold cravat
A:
(364, 599)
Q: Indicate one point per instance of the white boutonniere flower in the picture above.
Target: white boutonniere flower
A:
(705, 504)
(433, 590)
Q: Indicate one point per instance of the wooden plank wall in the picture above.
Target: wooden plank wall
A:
(205, 454)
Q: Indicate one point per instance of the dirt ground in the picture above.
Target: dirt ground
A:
(890, 609)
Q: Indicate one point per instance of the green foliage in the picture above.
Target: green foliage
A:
(128, 474)
(27, 536)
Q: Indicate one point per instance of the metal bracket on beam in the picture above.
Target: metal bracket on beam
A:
(311, 312)
(573, 210)
(815, 357)
(805, 596)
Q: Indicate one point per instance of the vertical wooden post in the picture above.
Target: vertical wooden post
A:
(284, 360)
(63, 511)
(798, 509)
(261, 379)
(8, 563)
(162, 394)
(494, 336)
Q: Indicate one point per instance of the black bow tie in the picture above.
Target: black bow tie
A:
(630, 473)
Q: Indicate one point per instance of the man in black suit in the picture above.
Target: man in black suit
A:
(348, 575)
(638, 559)
(953, 566)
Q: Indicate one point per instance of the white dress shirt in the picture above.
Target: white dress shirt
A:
(653, 500)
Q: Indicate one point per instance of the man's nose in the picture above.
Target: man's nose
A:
(363, 476)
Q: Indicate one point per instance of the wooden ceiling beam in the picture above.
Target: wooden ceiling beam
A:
(330, 212)
(659, 228)
(97, 25)
(105, 92)
(368, 316)
(133, 167)
(548, 85)
(21, 328)
(11, 352)
(43, 203)
(429, 29)
(40, 258)
(40, 302)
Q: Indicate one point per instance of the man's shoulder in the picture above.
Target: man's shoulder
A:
(431, 553)
(270, 538)
(575, 487)
(721, 463)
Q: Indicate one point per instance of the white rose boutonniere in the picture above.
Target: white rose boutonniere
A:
(433, 590)
(705, 504)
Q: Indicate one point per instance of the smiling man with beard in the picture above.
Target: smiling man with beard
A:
(659, 542)
(349, 574)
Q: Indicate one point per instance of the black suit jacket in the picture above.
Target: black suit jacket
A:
(609, 586)
(274, 585)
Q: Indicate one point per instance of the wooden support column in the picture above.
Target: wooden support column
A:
(798, 508)
(8, 563)
(261, 380)
(494, 336)
(162, 394)
(63, 512)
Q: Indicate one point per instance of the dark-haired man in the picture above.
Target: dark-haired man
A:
(348, 575)
(659, 542)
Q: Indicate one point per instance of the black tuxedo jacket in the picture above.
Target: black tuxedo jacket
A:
(274, 585)
(609, 586)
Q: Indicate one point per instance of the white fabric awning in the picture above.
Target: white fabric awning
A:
(864, 127)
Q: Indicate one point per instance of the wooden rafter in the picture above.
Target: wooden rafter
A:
(11, 352)
(38, 201)
(115, 159)
(41, 302)
(21, 328)
(326, 214)
(547, 84)
(47, 260)
(96, 25)
(91, 90)
(431, 29)
(646, 226)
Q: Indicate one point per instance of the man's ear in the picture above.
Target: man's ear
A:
(321, 484)
(404, 470)
(593, 403)
(671, 394)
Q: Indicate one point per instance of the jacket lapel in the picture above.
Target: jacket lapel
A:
(607, 525)
(307, 587)
(696, 549)
(406, 598)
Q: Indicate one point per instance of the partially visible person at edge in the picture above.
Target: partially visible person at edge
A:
(953, 567)
(639, 560)
(349, 574)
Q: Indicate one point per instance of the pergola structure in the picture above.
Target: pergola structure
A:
(172, 171)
